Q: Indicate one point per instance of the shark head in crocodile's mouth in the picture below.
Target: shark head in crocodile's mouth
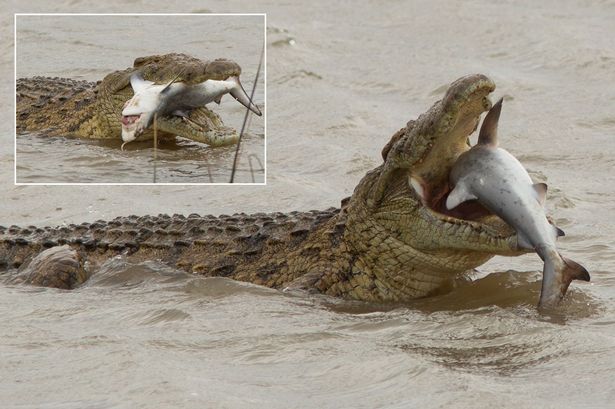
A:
(405, 196)
(175, 98)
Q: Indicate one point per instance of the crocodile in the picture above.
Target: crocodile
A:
(83, 109)
(392, 240)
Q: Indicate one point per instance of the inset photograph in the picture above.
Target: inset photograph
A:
(140, 99)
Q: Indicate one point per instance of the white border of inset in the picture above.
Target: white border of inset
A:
(264, 75)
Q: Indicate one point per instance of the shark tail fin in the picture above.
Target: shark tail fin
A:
(556, 279)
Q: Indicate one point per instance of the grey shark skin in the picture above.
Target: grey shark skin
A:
(500, 183)
(174, 98)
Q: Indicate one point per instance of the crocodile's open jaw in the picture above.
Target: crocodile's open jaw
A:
(426, 149)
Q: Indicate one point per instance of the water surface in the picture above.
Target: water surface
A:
(342, 78)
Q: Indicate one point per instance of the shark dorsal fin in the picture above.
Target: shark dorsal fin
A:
(541, 192)
(489, 129)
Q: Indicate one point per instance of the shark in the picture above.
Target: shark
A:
(174, 98)
(495, 179)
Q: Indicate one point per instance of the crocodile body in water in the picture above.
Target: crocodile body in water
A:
(67, 107)
(392, 240)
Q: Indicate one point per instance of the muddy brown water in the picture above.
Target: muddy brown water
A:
(341, 80)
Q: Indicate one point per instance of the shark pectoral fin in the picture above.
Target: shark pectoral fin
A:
(242, 97)
(541, 192)
(489, 129)
(458, 195)
(137, 82)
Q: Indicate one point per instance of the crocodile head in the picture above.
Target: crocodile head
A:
(406, 242)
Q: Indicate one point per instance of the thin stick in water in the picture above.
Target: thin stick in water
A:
(253, 156)
(245, 118)
(155, 143)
